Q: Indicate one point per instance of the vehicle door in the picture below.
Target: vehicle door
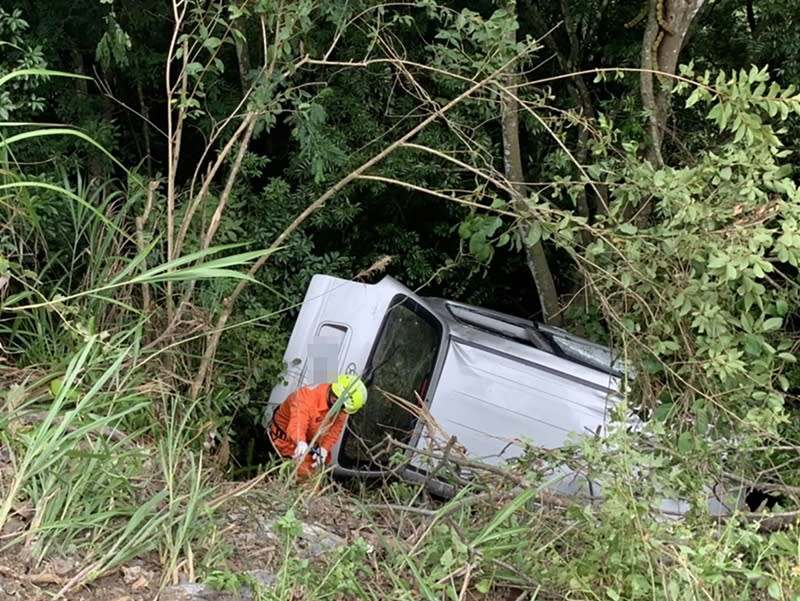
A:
(399, 375)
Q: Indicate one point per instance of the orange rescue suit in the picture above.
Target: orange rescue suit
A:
(300, 418)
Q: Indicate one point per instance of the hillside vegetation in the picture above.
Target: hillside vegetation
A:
(173, 173)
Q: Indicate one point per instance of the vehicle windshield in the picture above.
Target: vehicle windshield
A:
(588, 353)
(399, 369)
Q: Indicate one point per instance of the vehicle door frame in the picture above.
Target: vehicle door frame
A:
(430, 316)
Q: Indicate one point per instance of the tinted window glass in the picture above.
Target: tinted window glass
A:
(401, 364)
(588, 353)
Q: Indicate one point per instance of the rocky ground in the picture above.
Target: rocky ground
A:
(248, 533)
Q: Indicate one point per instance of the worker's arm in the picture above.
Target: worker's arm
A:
(327, 440)
(299, 415)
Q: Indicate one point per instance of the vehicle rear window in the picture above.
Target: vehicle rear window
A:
(399, 368)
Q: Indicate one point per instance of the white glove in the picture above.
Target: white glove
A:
(300, 450)
(320, 455)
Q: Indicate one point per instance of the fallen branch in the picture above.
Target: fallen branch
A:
(77, 579)
(441, 512)
(547, 497)
(42, 578)
(766, 487)
(769, 522)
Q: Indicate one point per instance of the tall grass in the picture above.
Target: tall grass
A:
(104, 461)
(95, 471)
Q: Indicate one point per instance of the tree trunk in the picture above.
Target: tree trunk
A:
(242, 53)
(569, 51)
(668, 23)
(512, 161)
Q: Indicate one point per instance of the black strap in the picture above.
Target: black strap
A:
(277, 431)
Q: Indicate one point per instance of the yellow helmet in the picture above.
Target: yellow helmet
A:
(354, 391)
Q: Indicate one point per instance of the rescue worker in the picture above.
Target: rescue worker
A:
(303, 419)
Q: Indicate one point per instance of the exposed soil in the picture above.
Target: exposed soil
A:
(136, 581)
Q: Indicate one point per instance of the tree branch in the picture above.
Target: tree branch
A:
(512, 161)
(227, 307)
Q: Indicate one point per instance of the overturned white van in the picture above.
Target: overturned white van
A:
(486, 378)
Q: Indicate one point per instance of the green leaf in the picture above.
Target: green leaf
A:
(54, 131)
(662, 412)
(534, 234)
(753, 345)
(477, 242)
(701, 422)
(724, 116)
(25, 73)
(717, 261)
(613, 594)
(787, 357)
(212, 43)
(772, 324)
(491, 225)
(501, 516)
(447, 559)
(193, 69)
(686, 442)
(693, 98)
(55, 387)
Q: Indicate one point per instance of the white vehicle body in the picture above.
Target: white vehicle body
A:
(489, 379)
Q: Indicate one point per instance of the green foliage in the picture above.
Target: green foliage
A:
(105, 452)
(95, 491)
(20, 96)
(469, 42)
(114, 46)
(480, 231)
(626, 551)
(699, 292)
